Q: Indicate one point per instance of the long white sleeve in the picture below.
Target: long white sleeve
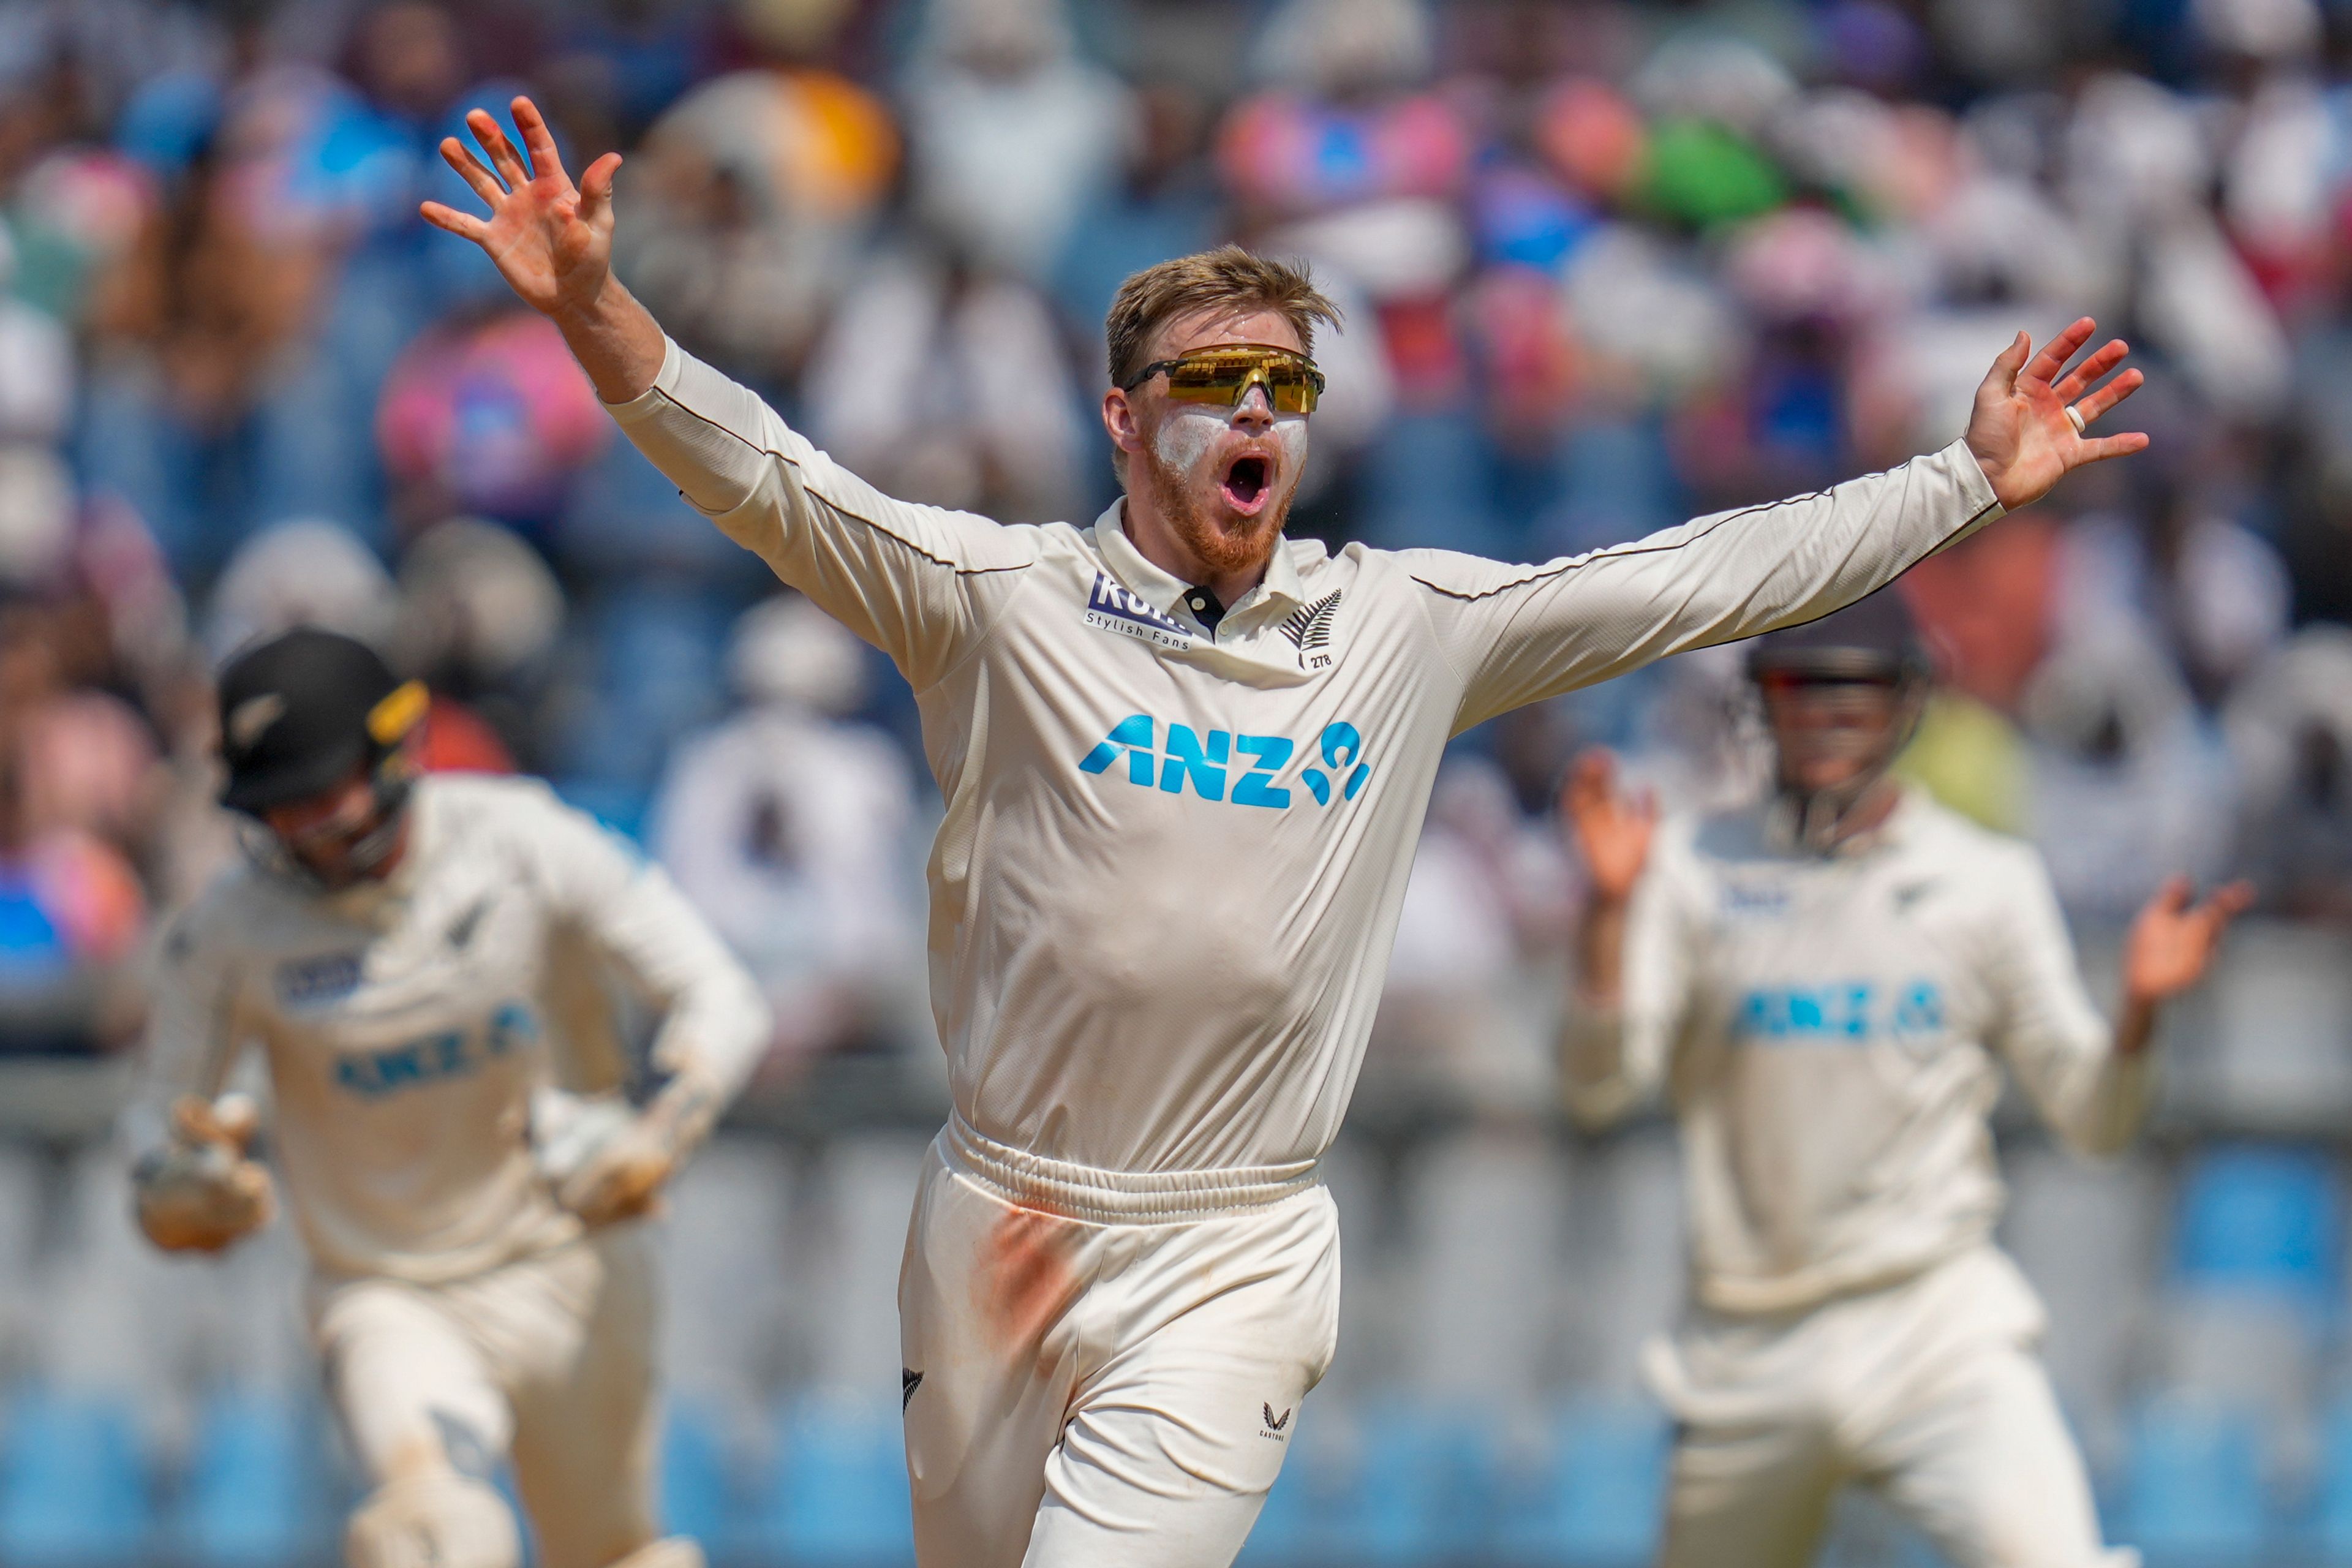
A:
(1614, 1059)
(921, 584)
(2050, 1031)
(1519, 634)
(196, 1030)
(715, 1024)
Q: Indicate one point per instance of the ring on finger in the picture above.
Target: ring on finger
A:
(2075, 417)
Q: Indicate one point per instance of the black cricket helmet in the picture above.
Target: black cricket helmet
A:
(1874, 639)
(303, 710)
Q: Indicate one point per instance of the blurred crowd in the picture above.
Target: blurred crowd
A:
(1604, 264)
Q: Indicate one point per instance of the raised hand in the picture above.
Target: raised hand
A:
(2020, 430)
(552, 241)
(2172, 943)
(1609, 829)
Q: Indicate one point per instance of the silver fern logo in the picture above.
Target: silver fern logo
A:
(1309, 629)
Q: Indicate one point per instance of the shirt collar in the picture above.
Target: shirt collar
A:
(1899, 827)
(1165, 591)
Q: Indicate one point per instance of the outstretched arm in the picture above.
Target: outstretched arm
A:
(714, 1023)
(1630, 959)
(2093, 1083)
(1609, 832)
(1516, 634)
(195, 1188)
(920, 583)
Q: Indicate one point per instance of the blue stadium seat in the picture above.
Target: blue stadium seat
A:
(839, 1496)
(698, 1480)
(1596, 1504)
(2261, 1218)
(2332, 1524)
(2192, 1493)
(73, 1483)
(256, 1492)
(1422, 1491)
(1288, 1527)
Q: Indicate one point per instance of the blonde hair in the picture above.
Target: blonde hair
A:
(1226, 282)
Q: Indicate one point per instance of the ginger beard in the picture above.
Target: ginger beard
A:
(1225, 495)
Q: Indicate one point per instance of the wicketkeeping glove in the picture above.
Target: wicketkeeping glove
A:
(199, 1193)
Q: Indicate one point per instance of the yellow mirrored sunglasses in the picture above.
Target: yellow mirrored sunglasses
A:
(1223, 374)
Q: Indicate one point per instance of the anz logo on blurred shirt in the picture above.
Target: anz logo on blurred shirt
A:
(1241, 770)
(1851, 1013)
(436, 1057)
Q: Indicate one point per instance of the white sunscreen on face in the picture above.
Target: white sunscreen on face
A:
(1291, 432)
(1184, 438)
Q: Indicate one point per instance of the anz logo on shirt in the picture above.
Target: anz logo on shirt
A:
(1223, 766)
(436, 1057)
(1851, 1013)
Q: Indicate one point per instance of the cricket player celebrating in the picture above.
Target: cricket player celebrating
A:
(408, 954)
(1185, 762)
(1827, 985)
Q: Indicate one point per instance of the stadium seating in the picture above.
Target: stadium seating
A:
(255, 1494)
(1626, 1255)
(1421, 1489)
(2331, 1513)
(1595, 1502)
(2192, 1495)
(75, 1486)
(2075, 1227)
(847, 1262)
(2280, 1009)
(2261, 1218)
(698, 1480)
(837, 1493)
(783, 1450)
(727, 1273)
(1487, 1307)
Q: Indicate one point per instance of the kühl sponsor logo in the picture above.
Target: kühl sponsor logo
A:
(1206, 762)
(1116, 609)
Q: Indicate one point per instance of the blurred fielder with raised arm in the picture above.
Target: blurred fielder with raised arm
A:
(409, 955)
(1184, 761)
(1826, 986)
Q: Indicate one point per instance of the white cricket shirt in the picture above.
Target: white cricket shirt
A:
(407, 1023)
(1164, 891)
(1830, 1028)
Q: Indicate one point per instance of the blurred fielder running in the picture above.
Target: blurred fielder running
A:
(1184, 761)
(408, 954)
(1826, 985)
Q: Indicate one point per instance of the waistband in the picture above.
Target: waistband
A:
(1097, 1196)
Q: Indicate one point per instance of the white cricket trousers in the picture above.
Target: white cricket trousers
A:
(548, 1360)
(1928, 1390)
(1105, 1369)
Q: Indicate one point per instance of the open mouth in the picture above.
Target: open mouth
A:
(1247, 482)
